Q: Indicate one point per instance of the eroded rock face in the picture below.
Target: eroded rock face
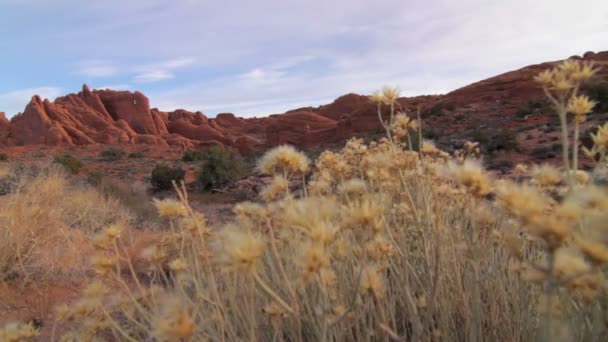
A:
(123, 117)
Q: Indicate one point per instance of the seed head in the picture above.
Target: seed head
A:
(171, 321)
(104, 264)
(471, 175)
(585, 72)
(546, 175)
(352, 187)
(276, 190)
(17, 331)
(283, 160)
(390, 94)
(178, 265)
(569, 262)
(545, 77)
(580, 105)
(372, 282)
(170, 208)
(239, 250)
(313, 258)
(600, 138)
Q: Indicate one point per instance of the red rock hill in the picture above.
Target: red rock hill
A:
(123, 117)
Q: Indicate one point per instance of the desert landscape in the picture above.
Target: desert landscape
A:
(474, 214)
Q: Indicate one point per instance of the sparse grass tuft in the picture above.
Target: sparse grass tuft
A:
(69, 162)
(111, 154)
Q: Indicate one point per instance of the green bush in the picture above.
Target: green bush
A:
(111, 154)
(136, 155)
(192, 155)
(219, 167)
(163, 175)
(69, 162)
(3, 157)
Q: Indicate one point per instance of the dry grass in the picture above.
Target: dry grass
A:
(43, 212)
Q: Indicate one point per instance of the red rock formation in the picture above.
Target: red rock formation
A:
(123, 117)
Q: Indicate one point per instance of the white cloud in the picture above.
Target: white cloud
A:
(161, 71)
(122, 86)
(15, 101)
(153, 76)
(97, 69)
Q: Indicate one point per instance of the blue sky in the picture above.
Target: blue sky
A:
(255, 58)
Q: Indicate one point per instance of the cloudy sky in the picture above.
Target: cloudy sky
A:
(266, 56)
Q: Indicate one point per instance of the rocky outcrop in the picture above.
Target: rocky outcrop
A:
(123, 117)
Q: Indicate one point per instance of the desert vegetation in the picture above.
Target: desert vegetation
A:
(163, 176)
(376, 241)
(69, 162)
(219, 166)
(111, 154)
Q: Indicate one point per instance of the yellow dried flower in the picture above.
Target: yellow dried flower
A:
(545, 77)
(170, 208)
(569, 262)
(377, 97)
(104, 264)
(471, 175)
(283, 159)
(17, 331)
(172, 322)
(194, 223)
(154, 255)
(546, 175)
(239, 250)
(521, 200)
(178, 265)
(520, 169)
(352, 187)
(569, 66)
(95, 290)
(585, 72)
(581, 177)
(114, 231)
(390, 94)
(379, 248)
(562, 85)
(600, 138)
(319, 187)
(596, 252)
(277, 189)
(580, 105)
(327, 277)
(372, 282)
(313, 258)
(363, 214)
(250, 210)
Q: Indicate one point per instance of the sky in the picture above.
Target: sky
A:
(260, 57)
